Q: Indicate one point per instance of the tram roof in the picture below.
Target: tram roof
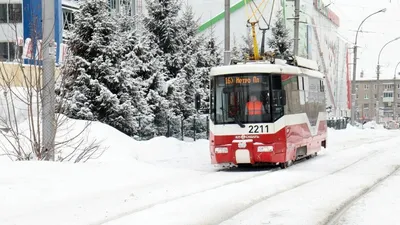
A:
(264, 68)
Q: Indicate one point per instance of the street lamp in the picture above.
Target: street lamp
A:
(353, 84)
(394, 92)
(378, 67)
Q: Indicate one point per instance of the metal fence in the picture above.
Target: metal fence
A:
(338, 123)
(184, 129)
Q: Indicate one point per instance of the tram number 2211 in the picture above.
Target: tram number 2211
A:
(255, 129)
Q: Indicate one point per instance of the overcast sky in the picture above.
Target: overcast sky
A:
(378, 30)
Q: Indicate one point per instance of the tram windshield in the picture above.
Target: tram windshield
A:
(247, 98)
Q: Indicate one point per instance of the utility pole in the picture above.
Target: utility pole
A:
(378, 95)
(395, 93)
(394, 98)
(378, 67)
(296, 26)
(133, 8)
(48, 80)
(353, 85)
(227, 52)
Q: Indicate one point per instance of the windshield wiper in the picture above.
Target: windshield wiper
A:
(236, 118)
(238, 121)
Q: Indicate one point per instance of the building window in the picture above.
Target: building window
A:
(7, 51)
(10, 13)
(366, 96)
(68, 18)
(356, 86)
(388, 86)
(366, 86)
(356, 96)
(398, 86)
(375, 86)
(112, 4)
(366, 105)
(388, 95)
(3, 13)
(14, 13)
(375, 96)
(3, 51)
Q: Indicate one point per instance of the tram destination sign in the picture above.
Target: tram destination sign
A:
(242, 80)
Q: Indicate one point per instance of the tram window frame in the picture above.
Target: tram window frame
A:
(277, 104)
(212, 110)
(243, 97)
(300, 83)
(322, 86)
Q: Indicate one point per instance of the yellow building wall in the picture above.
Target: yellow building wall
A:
(20, 75)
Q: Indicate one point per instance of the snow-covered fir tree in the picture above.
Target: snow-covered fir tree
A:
(93, 88)
(142, 62)
(280, 40)
(162, 22)
(199, 53)
(135, 75)
(246, 46)
(235, 53)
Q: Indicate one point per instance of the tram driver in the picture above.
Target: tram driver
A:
(254, 107)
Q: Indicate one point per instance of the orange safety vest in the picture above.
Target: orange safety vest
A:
(254, 108)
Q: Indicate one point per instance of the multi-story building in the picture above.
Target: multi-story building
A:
(15, 26)
(318, 38)
(367, 97)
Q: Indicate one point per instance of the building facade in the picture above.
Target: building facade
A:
(10, 29)
(318, 35)
(17, 22)
(367, 97)
(318, 39)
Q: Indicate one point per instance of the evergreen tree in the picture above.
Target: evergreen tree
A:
(280, 40)
(235, 54)
(93, 89)
(162, 23)
(199, 54)
(184, 86)
(247, 44)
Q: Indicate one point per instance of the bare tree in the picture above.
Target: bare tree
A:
(20, 111)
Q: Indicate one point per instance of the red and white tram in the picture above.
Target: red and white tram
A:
(262, 112)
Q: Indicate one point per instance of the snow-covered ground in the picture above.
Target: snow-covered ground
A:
(167, 181)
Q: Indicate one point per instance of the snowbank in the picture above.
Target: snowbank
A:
(137, 174)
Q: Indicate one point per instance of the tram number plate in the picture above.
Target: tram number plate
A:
(255, 129)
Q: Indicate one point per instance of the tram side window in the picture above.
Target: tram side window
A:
(322, 86)
(212, 100)
(278, 97)
(300, 83)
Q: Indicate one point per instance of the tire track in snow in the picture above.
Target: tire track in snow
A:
(165, 201)
(334, 218)
(142, 208)
(234, 213)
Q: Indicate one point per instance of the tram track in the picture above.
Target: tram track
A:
(334, 218)
(148, 206)
(233, 213)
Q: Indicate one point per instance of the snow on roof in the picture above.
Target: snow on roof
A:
(262, 67)
(373, 78)
(71, 4)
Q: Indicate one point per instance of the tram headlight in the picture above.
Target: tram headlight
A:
(221, 150)
(265, 148)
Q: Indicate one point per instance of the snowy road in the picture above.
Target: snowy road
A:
(310, 191)
(184, 189)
